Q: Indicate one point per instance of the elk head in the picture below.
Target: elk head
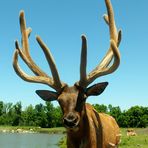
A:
(71, 99)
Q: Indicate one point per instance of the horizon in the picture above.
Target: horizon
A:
(60, 25)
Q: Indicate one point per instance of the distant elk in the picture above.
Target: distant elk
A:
(131, 132)
(85, 127)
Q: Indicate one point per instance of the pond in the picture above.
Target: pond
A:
(27, 140)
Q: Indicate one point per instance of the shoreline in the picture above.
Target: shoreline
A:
(24, 129)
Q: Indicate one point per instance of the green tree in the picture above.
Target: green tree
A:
(40, 115)
(6, 118)
(137, 116)
(57, 118)
(28, 116)
(144, 121)
(50, 112)
(100, 108)
(115, 112)
(1, 107)
(17, 110)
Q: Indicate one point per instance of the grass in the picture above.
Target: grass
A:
(139, 141)
(62, 142)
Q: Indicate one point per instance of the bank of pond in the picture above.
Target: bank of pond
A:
(31, 129)
(30, 137)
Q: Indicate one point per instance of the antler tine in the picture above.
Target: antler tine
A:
(83, 63)
(24, 53)
(51, 63)
(104, 67)
(41, 77)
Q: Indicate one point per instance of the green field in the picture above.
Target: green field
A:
(139, 141)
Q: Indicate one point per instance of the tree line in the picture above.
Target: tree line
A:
(48, 115)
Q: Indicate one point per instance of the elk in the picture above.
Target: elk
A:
(131, 132)
(85, 127)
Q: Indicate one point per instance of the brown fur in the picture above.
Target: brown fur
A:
(95, 131)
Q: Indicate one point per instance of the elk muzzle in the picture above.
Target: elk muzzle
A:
(71, 120)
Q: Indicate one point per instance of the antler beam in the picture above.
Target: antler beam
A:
(113, 53)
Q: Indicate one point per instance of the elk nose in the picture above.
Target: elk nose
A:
(70, 120)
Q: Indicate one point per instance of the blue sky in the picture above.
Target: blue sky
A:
(61, 24)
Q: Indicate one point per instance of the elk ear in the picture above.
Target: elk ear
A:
(96, 89)
(47, 95)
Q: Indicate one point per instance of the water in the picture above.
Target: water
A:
(16, 140)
